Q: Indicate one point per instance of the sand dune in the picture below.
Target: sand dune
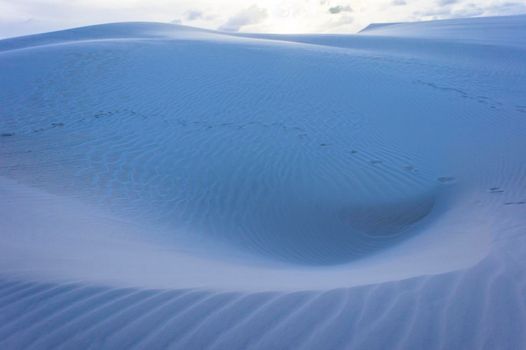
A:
(170, 187)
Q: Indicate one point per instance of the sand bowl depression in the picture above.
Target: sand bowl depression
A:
(293, 167)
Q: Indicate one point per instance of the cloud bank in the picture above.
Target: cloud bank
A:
(245, 17)
(22, 17)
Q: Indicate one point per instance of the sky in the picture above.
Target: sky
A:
(22, 17)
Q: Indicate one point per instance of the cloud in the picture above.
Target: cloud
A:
(193, 15)
(339, 9)
(433, 13)
(507, 8)
(20, 17)
(342, 21)
(469, 10)
(447, 2)
(251, 15)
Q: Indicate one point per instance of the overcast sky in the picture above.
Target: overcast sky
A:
(20, 17)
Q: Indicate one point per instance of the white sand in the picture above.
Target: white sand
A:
(164, 186)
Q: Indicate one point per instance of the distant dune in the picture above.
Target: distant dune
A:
(164, 186)
(375, 26)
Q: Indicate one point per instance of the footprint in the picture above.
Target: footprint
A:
(495, 190)
(375, 162)
(354, 151)
(324, 144)
(7, 134)
(446, 179)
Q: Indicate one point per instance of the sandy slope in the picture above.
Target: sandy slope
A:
(165, 186)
